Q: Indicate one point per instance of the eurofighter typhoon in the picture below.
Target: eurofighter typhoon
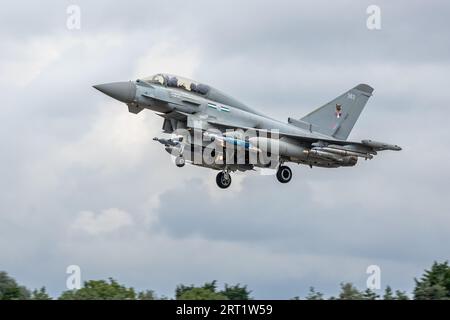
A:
(211, 129)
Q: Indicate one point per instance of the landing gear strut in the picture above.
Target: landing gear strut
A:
(223, 179)
(284, 174)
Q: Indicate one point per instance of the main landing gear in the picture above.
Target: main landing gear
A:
(284, 174)
(223, 179)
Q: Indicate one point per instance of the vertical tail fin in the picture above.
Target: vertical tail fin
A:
(337, 117)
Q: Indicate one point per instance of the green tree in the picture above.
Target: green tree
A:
(147, 295)
(201, 294)
(182, 289)
(434, 283)
(401, 295)
(211, 286)
(100, 290)
(349, 292)
(40, 294)
(236, 292)
(388, 294)
(369, 294)
(10, 290)
(209, 292)
(314, 295)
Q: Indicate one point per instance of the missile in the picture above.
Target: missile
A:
(223, 141)
(169, 142)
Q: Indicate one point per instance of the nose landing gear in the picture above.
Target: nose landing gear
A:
(179, 161)
(223, 179)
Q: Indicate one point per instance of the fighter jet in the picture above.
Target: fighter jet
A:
(211, 129)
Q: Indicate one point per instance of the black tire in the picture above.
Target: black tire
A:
(223, 180)
(180, 162)
(284, 174)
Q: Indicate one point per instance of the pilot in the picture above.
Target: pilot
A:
(193, 87)
(202, 89)
(172, 82)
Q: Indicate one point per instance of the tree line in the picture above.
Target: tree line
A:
(434, 284)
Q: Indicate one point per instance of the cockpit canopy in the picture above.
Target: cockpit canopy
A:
(178, 82)
(192, 86)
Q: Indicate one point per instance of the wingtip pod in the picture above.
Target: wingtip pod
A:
(364, 88)
(381, 145)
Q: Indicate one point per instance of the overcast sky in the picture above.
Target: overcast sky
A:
(83, 183)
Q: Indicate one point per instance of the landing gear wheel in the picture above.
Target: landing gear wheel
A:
(180, 162)
(223, 180)
(284, 174)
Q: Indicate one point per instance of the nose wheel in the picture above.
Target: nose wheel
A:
(180, 162)
(284, 174)
(223, 179)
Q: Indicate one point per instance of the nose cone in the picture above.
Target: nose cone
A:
(122, 91)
